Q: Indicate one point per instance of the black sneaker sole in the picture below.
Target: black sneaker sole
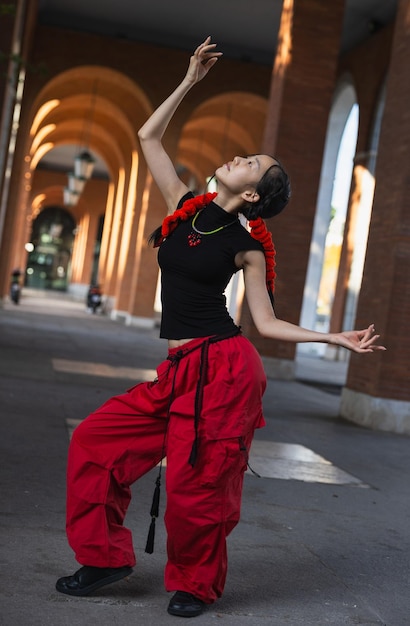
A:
(182, 613)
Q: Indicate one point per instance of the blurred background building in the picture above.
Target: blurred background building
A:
(322, 85)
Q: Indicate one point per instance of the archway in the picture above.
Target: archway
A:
(50, 248)
(97, 110)
(364, 210)
(334, 187)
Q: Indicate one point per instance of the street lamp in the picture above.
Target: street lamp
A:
(76, 183)
(83, 165)
(70, 197)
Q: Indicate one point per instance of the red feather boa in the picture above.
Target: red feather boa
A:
(260, 232)
(189, 208)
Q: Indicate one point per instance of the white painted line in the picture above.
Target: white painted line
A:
(289, 461)
(101, 369)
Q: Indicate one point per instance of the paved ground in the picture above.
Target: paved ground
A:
(325, 533)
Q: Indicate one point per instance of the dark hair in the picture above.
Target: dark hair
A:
(274, 194)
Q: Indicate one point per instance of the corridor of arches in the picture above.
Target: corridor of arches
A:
(93, 99)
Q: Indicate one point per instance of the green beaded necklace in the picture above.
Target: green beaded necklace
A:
(194, 239)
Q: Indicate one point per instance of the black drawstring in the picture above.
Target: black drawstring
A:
(149, 548)
(243, 448)
(198, 399)
(175, 359)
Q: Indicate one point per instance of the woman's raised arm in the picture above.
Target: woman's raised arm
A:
(151, 133)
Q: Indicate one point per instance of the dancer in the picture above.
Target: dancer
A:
(202, 409)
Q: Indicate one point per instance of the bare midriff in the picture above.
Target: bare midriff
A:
(176, 343)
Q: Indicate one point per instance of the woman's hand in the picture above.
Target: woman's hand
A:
(360, 341)
(254, 266)
(202, 60)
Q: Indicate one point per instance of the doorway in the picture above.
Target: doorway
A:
(48, 263)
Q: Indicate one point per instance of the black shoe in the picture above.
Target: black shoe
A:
(185, 604)
(88, 579)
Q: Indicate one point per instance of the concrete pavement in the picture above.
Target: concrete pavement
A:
(324, 536)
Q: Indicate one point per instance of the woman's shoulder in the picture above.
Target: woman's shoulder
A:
(242, 237)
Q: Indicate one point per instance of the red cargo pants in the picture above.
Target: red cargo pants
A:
(127, 436)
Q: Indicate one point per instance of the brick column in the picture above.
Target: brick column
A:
(301, 91)
(377, 392)
(11, 22)
(16, 31)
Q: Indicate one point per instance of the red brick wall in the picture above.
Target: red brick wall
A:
(385, 294)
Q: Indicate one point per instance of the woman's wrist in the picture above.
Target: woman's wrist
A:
(188, 82)
(332, 339)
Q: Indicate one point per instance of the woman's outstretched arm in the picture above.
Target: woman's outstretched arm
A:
(253, 262)
(151, 133)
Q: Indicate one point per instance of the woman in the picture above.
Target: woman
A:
(203, 408)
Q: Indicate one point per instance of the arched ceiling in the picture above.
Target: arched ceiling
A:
(244, 30)
(83, 108)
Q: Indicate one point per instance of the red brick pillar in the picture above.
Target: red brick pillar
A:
(377, 392)
(302, 86)
(17, 25)
(11, 24)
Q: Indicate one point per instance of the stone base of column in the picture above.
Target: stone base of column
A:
(282, 369)
(376, 413)
(139, 322)
(132, 320)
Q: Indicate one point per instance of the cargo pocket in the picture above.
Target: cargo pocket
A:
(221, 461)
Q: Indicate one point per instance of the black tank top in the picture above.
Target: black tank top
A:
(194, 278)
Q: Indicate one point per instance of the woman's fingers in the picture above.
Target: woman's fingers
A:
(206, 49)
(368, 342)
(366, 334)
